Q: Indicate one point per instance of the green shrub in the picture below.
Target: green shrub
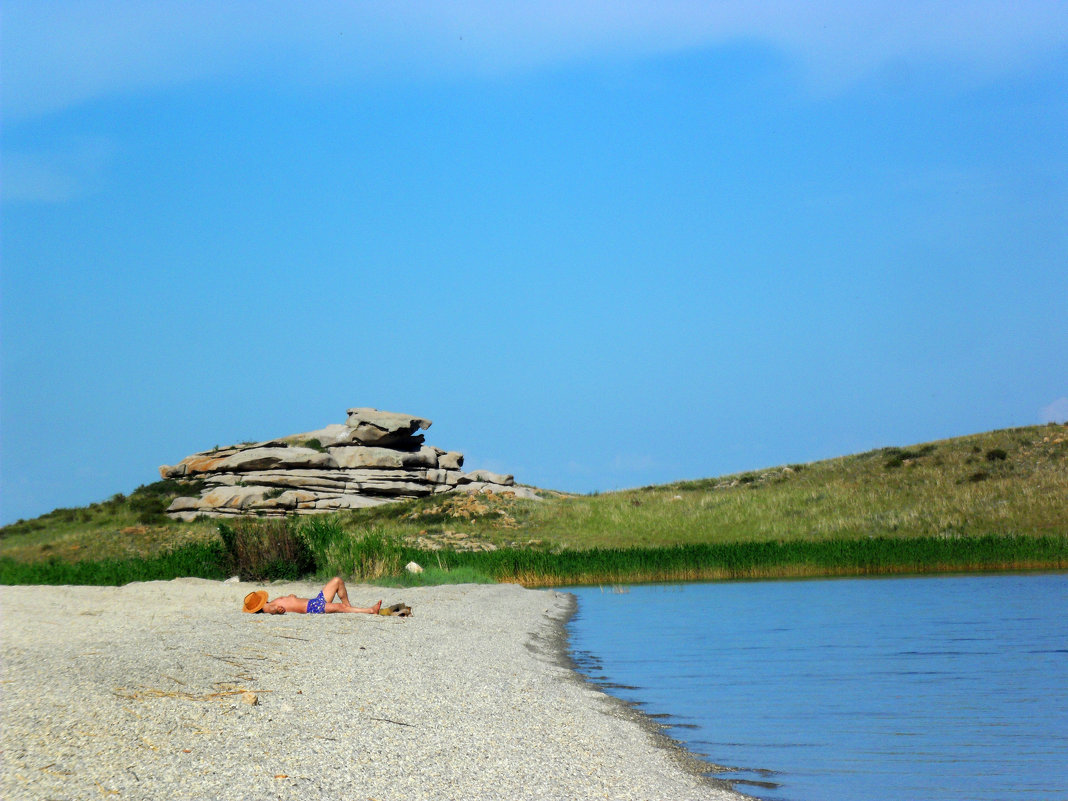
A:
(149, 501)
(996, 455)
(170, 488)
(896, 457)
(258, 550)
(21, 526)
(149, 508)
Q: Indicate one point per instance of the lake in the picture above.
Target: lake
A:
(949, 687)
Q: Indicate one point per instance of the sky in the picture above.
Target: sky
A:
(600, 244)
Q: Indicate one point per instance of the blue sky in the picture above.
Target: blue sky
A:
(600, 244)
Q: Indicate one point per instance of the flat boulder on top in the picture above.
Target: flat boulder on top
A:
(373, 427)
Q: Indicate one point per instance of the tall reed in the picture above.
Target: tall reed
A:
(266, 549)
(365, 555)
(839, 557)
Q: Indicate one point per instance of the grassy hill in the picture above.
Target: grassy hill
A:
(1009, 485)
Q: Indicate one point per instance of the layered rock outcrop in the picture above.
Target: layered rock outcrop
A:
(373, 458)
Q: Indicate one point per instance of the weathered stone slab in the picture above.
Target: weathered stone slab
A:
(232, 497)
(355, 456)
(299, 479)
(450, 460)
(476, 487)
(289, 499)
(374, 427)
(409, 489)
(485, 476)
(185, 505)
(446, 478)
(333, 434)
(339, 476)
(348, 502)
(254, 456)
(269, 458)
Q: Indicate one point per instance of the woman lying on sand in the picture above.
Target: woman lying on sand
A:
(257, 602)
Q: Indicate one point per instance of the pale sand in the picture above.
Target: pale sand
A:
(135, 692)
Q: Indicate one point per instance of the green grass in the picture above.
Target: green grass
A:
(982, 502)
(122, 527)
(949, 488)
(198, 560)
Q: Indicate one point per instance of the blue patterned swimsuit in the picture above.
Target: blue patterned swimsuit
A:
(317, 605)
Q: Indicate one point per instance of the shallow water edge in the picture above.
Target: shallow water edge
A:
(557, 647)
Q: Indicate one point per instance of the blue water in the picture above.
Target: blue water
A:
(840, 690)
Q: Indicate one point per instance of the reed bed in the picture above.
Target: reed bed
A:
(363, 559)
(749, 560)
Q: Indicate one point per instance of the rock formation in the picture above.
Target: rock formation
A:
(373, 458)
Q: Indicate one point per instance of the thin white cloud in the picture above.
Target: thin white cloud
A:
(53, 177)
(632, 463)
(60, 54)
(1056, 412)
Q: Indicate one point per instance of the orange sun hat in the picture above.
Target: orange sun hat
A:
(254, 601)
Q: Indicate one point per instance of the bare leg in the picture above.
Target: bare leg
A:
(371, 610)
(336, 587)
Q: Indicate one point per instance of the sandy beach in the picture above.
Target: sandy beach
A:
(168, 690)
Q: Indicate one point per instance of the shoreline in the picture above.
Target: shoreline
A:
(141, 690)
(686, 759)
